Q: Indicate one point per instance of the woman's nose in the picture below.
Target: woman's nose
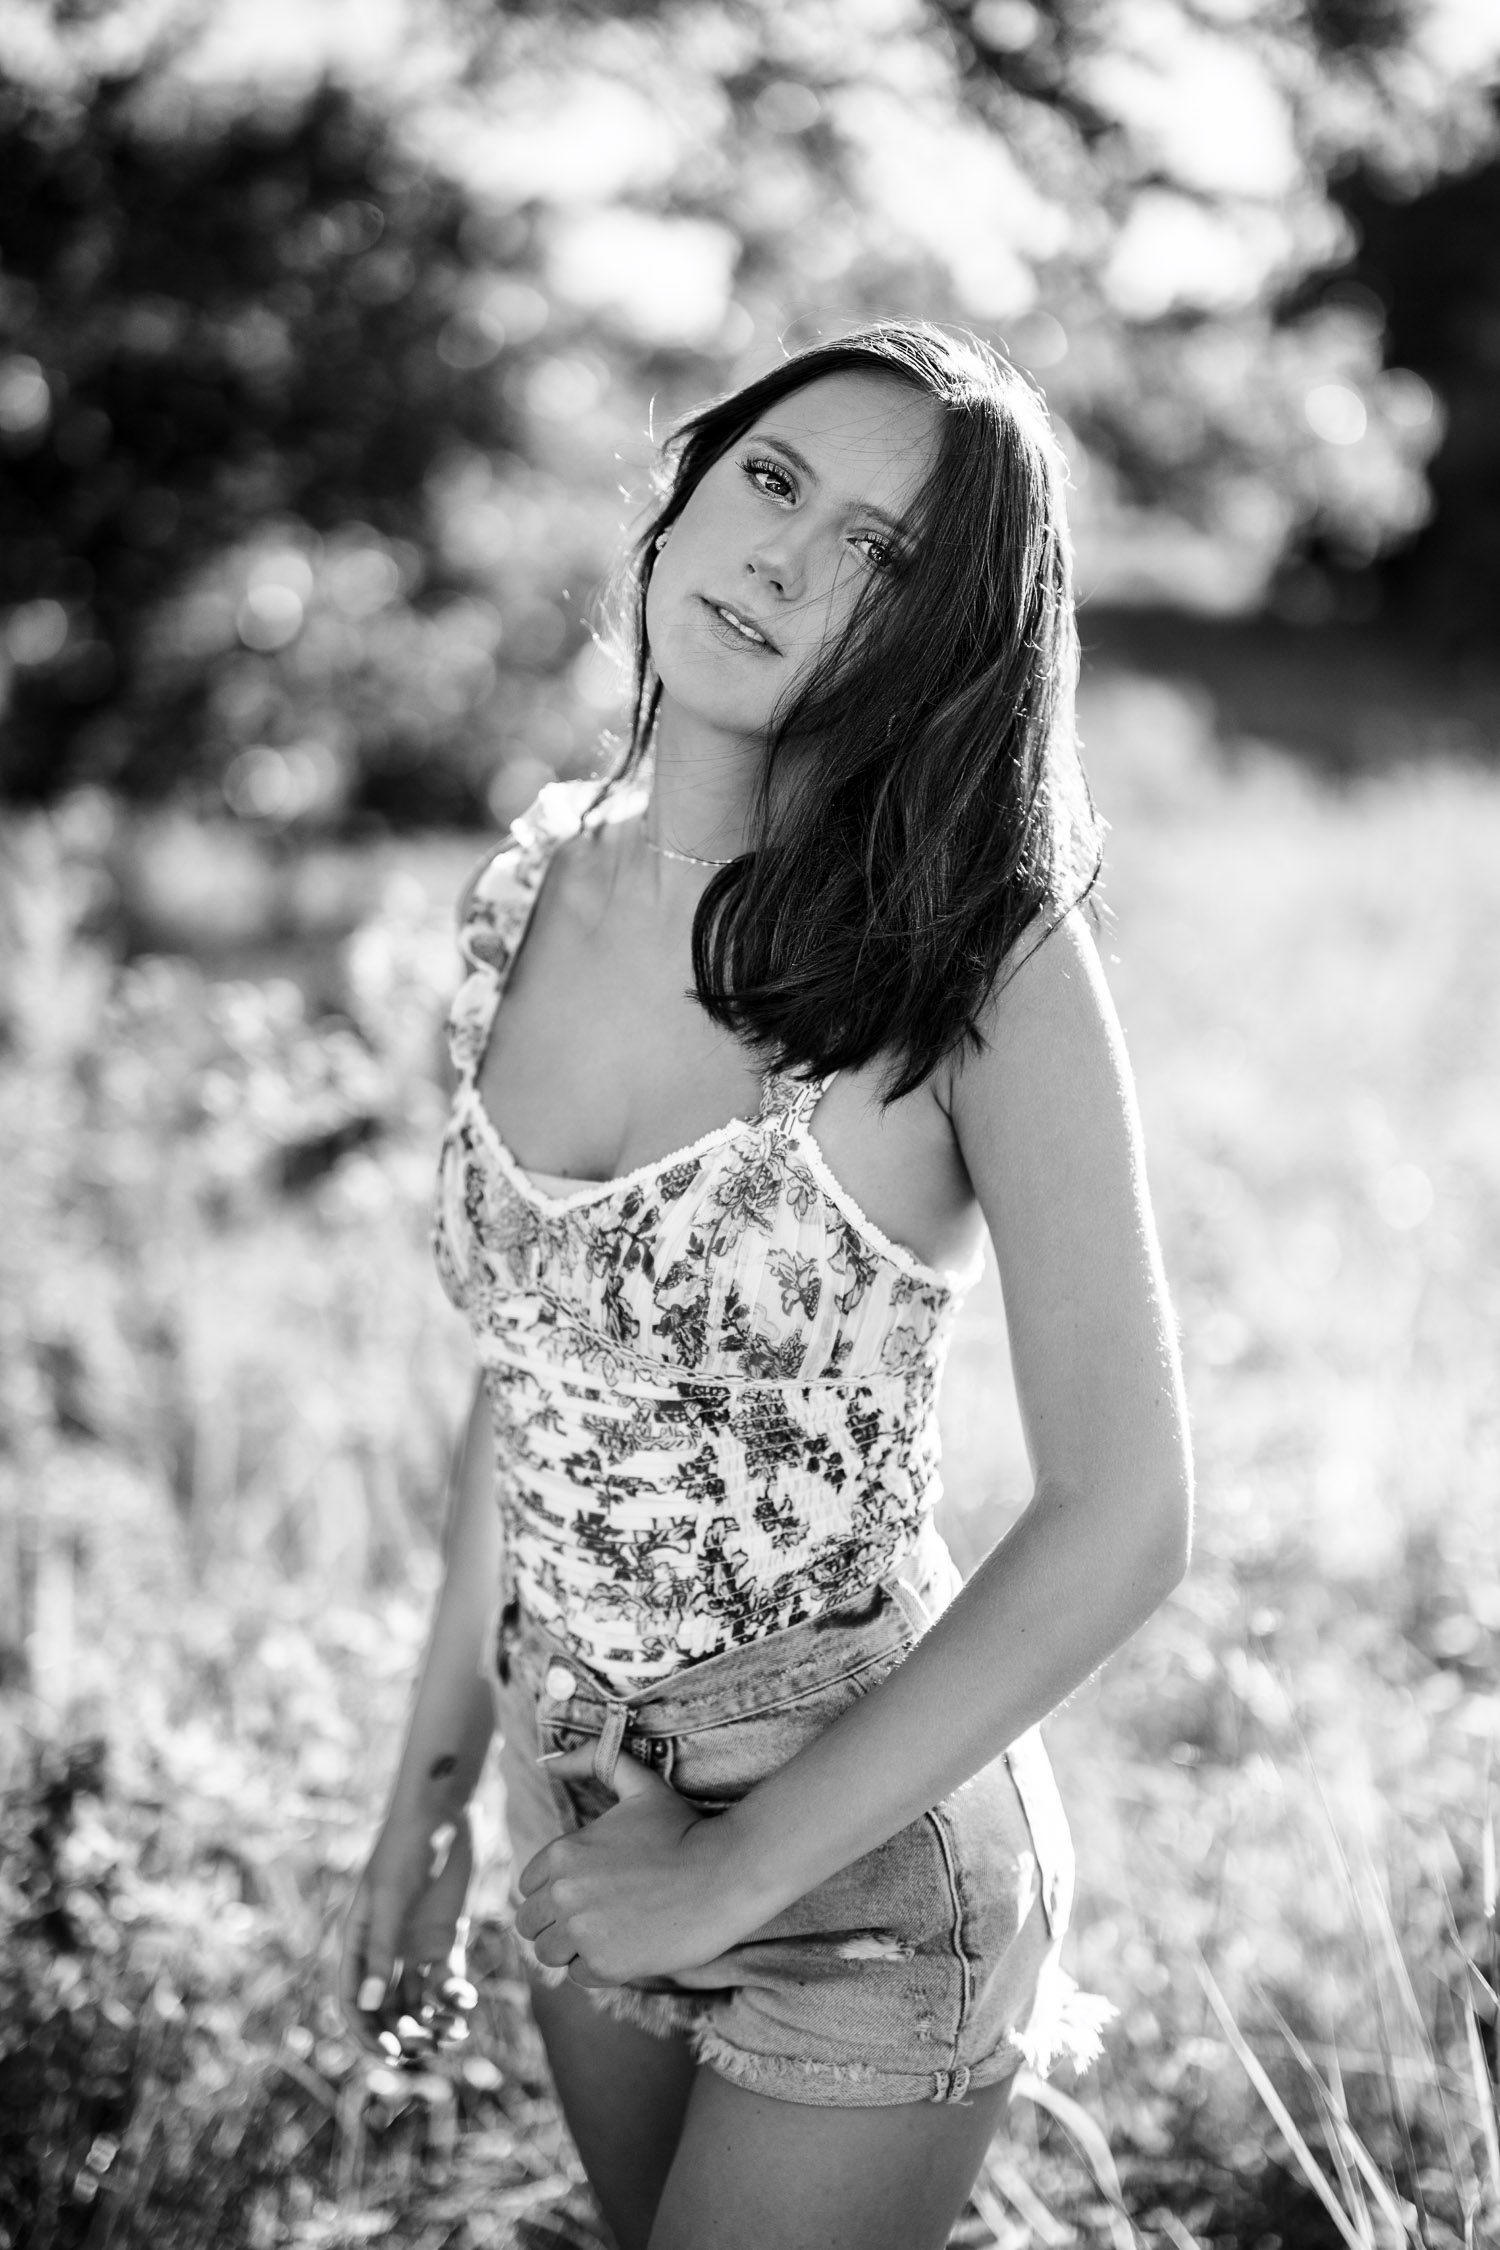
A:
(779, 560)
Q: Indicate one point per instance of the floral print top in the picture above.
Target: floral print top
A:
(713, 1382)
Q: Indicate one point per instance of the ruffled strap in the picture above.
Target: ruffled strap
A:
(495, 904)
(790, 1102)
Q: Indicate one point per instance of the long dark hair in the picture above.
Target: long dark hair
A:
(921, 806)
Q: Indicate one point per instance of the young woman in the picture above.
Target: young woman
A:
(797, 1009)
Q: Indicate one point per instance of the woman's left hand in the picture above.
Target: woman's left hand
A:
(641, 1894)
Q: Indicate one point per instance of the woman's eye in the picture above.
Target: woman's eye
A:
(879, 553)
(771, 477)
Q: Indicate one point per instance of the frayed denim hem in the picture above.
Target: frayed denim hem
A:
(787, 2077)
(1064, 2029)
(661, 2013)
(844, 2085)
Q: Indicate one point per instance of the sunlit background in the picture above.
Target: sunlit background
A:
(334, 342)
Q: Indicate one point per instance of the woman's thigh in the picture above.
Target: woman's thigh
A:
(623, 2093)
(753, 2173)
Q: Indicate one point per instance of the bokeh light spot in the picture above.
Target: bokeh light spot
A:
(1405, 398)
(25, 400)
(1008, 26)
(283, 566)
(263, 783)
(37, 632)
(1038, 341)
(560, 389)
(269, 617)
(1404, 1197)
(363, 581)
(470, 339)
(787, 107)
(1335, 413)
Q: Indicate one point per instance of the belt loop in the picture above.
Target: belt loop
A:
(612, 1735)
(924, 1579)
(909, 1602)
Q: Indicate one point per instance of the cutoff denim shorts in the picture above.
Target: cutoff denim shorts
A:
(925, 1968)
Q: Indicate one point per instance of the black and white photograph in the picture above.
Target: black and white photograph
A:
(749, 1124)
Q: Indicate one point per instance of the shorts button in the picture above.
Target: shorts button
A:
(560, 1683)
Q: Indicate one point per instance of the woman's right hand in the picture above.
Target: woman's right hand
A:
(402, 1980)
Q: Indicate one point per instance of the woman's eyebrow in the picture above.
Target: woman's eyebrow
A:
(801, 463)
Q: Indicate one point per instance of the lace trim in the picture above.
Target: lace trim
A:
(599, 1190)
(837, 1194)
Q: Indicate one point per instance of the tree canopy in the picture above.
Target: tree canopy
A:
(322, 366)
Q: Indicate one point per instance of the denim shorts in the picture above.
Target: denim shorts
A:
(925, 1968)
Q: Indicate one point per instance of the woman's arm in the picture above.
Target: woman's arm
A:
(1047, 1122)
(409, 1901)
(1046, 1119)
(453, 1716)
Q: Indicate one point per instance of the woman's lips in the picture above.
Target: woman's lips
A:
(737, 629)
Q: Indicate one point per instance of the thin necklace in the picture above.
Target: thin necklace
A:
(685, 859)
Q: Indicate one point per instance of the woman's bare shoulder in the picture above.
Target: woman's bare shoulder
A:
(1050, 974)
(1049, 1022)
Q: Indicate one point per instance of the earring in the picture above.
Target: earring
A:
(661, 538)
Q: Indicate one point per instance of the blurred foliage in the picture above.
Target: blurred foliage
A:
(217, 475)
(166, 1141)
(319, 366)
(1427, 267)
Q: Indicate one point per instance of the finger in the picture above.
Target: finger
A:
(380, 1952)
(414, 2036)
(570, 1765)
(536, 1872)
(535, 1914)
(632, 1779)
(581, 1974)
(447, 2000)
(457, 1963)
(553, 1948)
(373, 2003)
(365, 2014)
(352, 1954)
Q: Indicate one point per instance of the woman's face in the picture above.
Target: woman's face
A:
(763, 566)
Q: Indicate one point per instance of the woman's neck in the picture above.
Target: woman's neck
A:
(703, 789)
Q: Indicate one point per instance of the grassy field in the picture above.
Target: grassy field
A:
(228, 1388)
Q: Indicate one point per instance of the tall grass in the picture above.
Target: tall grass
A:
(228, 1390)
